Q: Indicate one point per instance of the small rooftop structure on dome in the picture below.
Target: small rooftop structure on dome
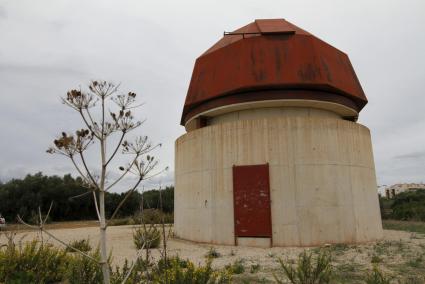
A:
(273, 155)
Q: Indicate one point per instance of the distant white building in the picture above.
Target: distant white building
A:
(392, 190)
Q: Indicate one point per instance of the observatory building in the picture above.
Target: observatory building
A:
(273, 155)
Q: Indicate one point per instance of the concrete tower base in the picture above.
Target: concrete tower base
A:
(322, 177)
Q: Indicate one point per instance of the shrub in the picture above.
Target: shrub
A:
(81, 269)
(376, 277)
(308, 270)
(137, 275)
(147, 238)
(236, 267)
(82, 245)
(376, 259)
(212, 253)
(33, 263)
(153, 216)
(122, 221)
(179, 272)
(409, 205)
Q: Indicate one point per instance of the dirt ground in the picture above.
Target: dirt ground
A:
(400, 254)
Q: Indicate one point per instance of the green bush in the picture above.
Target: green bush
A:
(81, 269)
(409, 205)
(82, 245)
(33, 263)
(147, 238)
(308, 270)
(36, 263)
(137, 275)
(185, 272)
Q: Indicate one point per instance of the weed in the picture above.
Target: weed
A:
(376, 259)
(254, 268)
(82, 245)
(316, 270)
(415, 263)
(236, 267)
(147, 238)
(212, 253)
(377, 277)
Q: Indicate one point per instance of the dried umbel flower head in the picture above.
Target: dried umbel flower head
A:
(64, 142)
(79, 100)
(82, 133)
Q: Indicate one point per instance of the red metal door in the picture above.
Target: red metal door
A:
(251, 201)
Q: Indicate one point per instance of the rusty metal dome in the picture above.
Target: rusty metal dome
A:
(271, 59)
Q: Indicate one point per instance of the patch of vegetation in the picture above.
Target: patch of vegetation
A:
(409, 226)
(376, 259)
(348, 271)
(408, 205)
(309, 269)
(377, 277)
(183, 274)
(37, 263)
(254, 268)
(147, 237)
(236, 267)
(121, 221)
(82, 245)
(33, 263)
(250, 279)
(81, 269)
(149, 216)
(153, 216)
(212, 253)
(24, 196)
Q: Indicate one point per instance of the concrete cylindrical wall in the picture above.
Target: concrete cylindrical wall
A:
(322, 177)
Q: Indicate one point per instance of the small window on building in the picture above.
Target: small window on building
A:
(387, 193)
(392, 192)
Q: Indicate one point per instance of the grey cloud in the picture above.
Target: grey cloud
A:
(3, 13)
(40, 69)
(412, 155)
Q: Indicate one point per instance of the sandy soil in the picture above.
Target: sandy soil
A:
(401, 255)
(121, 243)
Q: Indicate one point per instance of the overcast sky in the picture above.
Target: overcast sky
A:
(49, 47)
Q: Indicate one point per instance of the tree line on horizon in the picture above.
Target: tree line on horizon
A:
(25, 196)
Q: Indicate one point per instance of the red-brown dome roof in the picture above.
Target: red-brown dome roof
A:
(268, 60)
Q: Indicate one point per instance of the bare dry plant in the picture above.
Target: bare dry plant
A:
(105, 113)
